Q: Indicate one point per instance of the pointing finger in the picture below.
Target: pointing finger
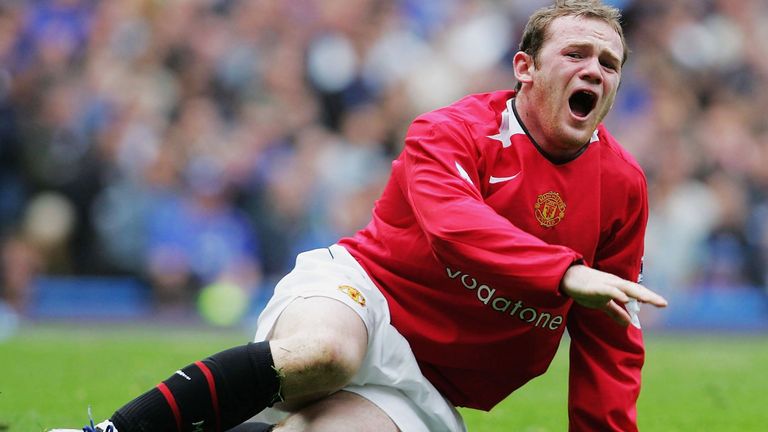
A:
(643, 294)
(619, 295)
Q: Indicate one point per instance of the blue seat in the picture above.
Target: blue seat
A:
(90, 298)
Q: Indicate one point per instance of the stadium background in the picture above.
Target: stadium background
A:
(152, 148)
(149, 149)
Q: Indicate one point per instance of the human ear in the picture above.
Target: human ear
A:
(523, 66)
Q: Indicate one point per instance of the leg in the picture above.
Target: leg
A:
(311, 347)
(341, 412)
(252, 427)
(215, 394)
(318, 344)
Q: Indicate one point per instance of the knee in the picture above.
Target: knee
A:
(335, 357)
(322, 361)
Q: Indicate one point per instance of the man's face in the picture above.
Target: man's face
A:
(574, 81)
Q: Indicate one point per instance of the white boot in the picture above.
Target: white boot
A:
(105, 426)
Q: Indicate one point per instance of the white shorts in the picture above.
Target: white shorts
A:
(389, 377)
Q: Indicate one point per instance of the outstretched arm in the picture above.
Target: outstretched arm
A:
(597, 289)
(606, 358)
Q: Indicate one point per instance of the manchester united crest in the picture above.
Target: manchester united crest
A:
(353, 293)
(549, 209)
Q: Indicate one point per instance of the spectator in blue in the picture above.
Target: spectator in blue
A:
(197, 239)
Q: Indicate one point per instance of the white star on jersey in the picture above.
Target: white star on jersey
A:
(507, 128)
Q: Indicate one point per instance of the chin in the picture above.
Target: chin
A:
(575, 138)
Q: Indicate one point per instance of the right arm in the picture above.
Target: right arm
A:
(440, 177)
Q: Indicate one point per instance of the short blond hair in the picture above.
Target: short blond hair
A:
(535, 33)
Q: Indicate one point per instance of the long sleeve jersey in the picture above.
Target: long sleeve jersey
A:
(470, 240)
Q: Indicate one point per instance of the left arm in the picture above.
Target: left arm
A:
(605, 357)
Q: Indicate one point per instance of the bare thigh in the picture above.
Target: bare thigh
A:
(340, 412)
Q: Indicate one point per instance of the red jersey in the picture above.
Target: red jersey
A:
(469, 242)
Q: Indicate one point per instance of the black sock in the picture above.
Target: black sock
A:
(214, 395)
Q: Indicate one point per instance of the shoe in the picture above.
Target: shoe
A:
(105, 426)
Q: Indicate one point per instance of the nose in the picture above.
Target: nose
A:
(592, 72)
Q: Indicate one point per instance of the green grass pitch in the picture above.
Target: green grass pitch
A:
(50, 375)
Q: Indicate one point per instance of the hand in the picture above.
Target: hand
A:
(600, 290)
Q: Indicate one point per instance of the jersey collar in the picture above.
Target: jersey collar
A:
(511, 125)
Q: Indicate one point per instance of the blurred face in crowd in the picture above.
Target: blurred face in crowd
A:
(570, 86)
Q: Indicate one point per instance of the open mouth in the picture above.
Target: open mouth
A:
(582, 102)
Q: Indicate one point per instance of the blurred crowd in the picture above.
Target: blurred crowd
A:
(191, 142)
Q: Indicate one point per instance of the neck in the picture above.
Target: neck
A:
(535, 130)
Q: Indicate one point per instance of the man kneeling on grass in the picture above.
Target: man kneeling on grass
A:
(509, 217)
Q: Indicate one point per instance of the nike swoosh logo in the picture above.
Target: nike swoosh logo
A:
(178, 372)
(463, 173)
(494, 180)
